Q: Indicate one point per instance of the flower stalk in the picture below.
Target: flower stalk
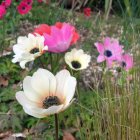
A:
(56, 126)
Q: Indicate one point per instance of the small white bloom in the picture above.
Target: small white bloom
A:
(77, 59)
(45, 94)
(25, 47)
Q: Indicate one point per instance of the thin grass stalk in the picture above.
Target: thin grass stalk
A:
(128, 7)
(108, 6)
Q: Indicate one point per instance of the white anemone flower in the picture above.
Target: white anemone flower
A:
(45, 94)
(28, 48)
(77, 59)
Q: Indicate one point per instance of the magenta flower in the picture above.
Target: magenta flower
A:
(28, 2)
(109, 51)
(6, 3)
(2, 11)
(60, 38)
(23, 8)
(39, 1)
(126, 61)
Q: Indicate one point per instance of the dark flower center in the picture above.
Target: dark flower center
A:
(75, 64)
(23, 8)
(34, 50)
(123, 64)
(108, 53)
(50, 101)
(28, 2)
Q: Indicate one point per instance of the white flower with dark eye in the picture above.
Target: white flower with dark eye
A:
(45, 94)
(28, 48)
(77, 59)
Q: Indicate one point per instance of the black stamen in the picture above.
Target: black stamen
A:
(76, 64)
(35, 50)
(50, 101)
(23, 8)
(108, 53)
(123, 64)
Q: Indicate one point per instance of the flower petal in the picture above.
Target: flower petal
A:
(68, 104)
(24, 101)
(65, 85)
(33, 113)
(41, 113)
(100, 47)
(29, 92)
(69, 88)
(100, 58)
(44, 82)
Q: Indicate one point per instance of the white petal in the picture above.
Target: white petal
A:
(21, 39)
(29, 91)
(33, 113)
(44, 82)
(40, 113)
(61, 78)
(53, 109)
(23, 63)
(24, 101)
(67, 105)
(84, 61)
(18, 49)
(65, 85)
(69, 88)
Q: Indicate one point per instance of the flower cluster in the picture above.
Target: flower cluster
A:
(45, 94)
(56, 39)
(23, 7)
(26, 5)
(112, 52)
(3, 7)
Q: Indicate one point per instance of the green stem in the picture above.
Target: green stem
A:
(3, 32)
(56, 126)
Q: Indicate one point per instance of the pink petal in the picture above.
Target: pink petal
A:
(128, 59)
(100, 58)
(107, 41)
(49, 41)
(109, 63)
(100, 47)
(67, 32)
(56, 34)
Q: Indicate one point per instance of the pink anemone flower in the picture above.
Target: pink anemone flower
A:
(60, 39)
(2, 11)
(23, 8)
(75, 36)
(6, 3)
(109, 51)
(28, 2)
(42, 29)
(126, 61)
